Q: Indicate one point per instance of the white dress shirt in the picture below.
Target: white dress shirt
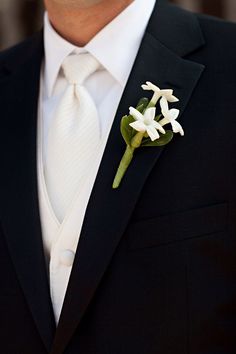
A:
(115, 47)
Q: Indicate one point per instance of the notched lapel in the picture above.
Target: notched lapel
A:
(19, 201)
(109, 210)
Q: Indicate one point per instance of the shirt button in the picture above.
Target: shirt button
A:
(67, 257)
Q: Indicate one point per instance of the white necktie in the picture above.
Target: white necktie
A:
(73, 135)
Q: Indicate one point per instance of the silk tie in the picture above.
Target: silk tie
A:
(73, 135)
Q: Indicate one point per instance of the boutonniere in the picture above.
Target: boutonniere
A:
(144, 127)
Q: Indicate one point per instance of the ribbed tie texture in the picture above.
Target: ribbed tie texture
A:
(73, 135)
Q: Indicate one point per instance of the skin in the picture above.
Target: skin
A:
(78, 21)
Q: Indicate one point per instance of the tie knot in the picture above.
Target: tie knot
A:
(78, 67)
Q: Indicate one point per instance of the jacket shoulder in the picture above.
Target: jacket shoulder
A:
(17, 54)
(216, 29)
(219, 51)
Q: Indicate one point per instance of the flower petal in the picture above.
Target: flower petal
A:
(164, 106)
(146, 88)
(174, 113)
(135, 113)
(167, 93)
(153, 133)
(158, 127)
(139, 126)
(151, 87)
(149, 115)
(177, 128)
(172, 98)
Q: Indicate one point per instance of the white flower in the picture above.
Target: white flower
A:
(158, 93)
(170, 116)
(146, 122)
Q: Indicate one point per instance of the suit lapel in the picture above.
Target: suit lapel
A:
(159, 60)
(19, 202)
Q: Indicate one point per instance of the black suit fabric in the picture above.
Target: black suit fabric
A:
(155, 269)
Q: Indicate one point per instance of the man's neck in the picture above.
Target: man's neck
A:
(79, 26)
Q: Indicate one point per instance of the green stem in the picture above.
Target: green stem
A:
(124, 164)
(137, 140)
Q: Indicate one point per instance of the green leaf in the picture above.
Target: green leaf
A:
(142, 104)
(163, 140)
(126, 129)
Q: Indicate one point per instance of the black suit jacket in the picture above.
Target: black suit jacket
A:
(155, 270)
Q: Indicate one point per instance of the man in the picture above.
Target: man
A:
(149, 267)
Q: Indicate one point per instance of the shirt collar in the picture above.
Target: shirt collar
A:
(115, 46)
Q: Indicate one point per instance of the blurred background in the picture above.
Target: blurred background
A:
(20, 18)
